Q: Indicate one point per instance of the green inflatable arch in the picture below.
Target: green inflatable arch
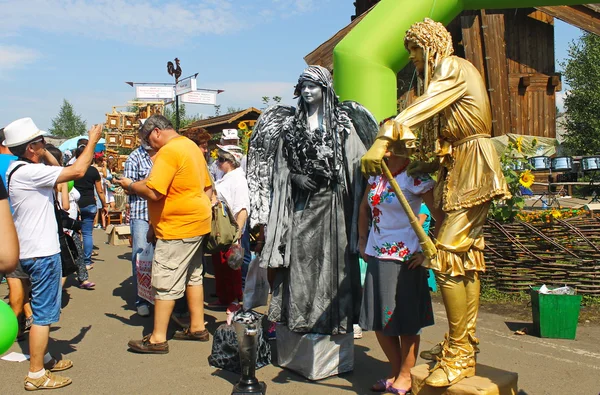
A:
(368, 59)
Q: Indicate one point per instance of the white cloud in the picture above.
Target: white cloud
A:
(560, 100)
(15, 57)
(142, 21)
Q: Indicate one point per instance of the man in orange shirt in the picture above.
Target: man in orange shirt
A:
(178, 191)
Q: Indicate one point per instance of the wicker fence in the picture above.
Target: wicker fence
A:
(560, 252)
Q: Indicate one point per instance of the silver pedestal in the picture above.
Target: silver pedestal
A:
(247, 325)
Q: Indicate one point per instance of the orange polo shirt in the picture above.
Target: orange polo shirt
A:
(180, 174)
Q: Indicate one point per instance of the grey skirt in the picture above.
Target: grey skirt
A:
(396, 299)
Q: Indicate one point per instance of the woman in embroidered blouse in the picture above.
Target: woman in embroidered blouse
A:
(396, 301)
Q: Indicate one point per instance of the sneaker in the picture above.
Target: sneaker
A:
(143, 310)
(357, 331)
(47, 382)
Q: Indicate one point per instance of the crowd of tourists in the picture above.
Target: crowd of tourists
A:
(169, 200)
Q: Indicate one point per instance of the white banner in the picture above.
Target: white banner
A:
(199, 97)
(185, 86)
(154, 92)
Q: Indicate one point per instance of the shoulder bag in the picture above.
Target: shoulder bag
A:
(223, 227)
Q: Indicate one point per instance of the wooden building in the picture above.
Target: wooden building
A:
(215, 125)
(514, 51)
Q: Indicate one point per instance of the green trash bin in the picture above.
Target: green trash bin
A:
(555, 316)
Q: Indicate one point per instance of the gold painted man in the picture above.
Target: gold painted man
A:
(469, 177)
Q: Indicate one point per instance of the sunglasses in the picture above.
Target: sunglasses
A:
(146, 137)
(40, 140)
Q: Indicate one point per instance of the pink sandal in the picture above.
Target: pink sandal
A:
(381, 385)
(88, 285)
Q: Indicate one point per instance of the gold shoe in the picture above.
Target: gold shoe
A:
(455, 363)
(439, 378)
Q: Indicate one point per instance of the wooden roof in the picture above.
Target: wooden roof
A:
(222, 119)
(586, 17)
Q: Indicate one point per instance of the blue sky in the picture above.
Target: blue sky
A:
(84, 50)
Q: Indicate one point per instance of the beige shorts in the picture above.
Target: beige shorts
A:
(176, 264)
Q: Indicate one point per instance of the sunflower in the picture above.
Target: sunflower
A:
(242, 125)
(519, 144)
(526, 179)
(214, 153)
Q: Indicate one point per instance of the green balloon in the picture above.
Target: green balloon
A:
(70, 185)
(8, 327)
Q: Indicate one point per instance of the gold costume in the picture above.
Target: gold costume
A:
(470, 173)
(469, 177)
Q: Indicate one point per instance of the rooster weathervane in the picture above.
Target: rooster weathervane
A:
(174, 70)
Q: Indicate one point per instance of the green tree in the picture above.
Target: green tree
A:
(266, 100)
(67, 123)
(184, 119)
(582, 74)
(232, 109)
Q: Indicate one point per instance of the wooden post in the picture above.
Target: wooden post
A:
(496, 70)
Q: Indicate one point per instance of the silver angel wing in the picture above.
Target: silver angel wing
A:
(263, 147)
(363, 121)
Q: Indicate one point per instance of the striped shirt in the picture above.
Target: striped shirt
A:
(137, 167)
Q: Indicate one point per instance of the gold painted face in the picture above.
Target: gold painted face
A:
(416, 56)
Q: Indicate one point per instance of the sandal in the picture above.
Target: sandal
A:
(382, 385)
(55, 365)
(87, 285)
(47, 382)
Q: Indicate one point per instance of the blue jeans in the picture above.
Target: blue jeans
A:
(87, 226)
(45, 274)
(139, 230)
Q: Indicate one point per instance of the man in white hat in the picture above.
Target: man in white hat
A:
(228, 137)
(30, 185)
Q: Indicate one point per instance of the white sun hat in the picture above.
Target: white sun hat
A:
(229, 134)
(233, 150)
(20, 132)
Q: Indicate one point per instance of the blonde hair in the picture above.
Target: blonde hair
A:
(435, 41)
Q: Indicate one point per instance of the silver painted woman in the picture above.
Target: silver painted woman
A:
(305, 186)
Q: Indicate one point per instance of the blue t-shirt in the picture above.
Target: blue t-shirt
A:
(5, 161)
(425, 210)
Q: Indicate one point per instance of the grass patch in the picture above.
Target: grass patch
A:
(491, 294)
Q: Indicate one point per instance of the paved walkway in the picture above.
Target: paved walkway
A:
(96, 325)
